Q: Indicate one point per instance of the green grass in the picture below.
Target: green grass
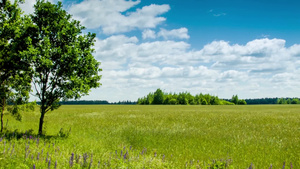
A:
(158, 137)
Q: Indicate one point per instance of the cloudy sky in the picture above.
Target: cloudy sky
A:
(221, 47)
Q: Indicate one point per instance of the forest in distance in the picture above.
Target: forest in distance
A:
(180, 98)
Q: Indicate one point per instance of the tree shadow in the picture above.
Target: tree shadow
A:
(18, 135)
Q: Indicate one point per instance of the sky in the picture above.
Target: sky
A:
(221, 47)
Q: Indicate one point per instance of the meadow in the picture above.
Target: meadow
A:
(118, 136)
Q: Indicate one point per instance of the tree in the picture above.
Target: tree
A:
(242, 102)
(235, 99)
(167, 98)
(149, 98)
(15, 72)
(158, 97)
(215, 100)
(182, 98)
(64, 67)
(295, 101)
(281, 101)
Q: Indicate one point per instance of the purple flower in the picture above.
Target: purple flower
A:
(49, 163)
(125, 155)
(47, 154)
(71, 160)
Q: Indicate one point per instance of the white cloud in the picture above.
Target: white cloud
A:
(257, 69)
(148, 33)
(108, 14)
(181, 33)
(217, 14)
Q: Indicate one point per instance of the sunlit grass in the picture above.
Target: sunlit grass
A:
(159, 137)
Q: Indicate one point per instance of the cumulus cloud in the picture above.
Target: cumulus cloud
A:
(148, 33)
(181, 33)
(255, 69)
(109, 15)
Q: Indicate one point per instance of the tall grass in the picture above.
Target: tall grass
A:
(115, 136)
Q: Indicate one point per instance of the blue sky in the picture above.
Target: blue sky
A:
(250, 47)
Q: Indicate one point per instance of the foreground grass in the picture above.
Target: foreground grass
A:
(156, 137)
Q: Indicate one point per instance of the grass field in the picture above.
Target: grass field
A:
(115, 136)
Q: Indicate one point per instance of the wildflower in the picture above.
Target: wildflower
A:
(71, 160)
(85, 156)
(49, 163)
(55, 165)
(37, 141)
(250, 167)
(125, 155)
(47, 156)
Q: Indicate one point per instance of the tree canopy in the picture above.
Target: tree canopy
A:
(15, 70)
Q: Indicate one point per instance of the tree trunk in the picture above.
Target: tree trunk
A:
(43, 111)
(2, 113)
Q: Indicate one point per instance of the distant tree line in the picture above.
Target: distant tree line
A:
(288, 101)
(185, 98)
(127, 102)
(273, 101)
(93, 102)
(84, 102)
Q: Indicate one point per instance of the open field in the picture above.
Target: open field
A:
(113, 136)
